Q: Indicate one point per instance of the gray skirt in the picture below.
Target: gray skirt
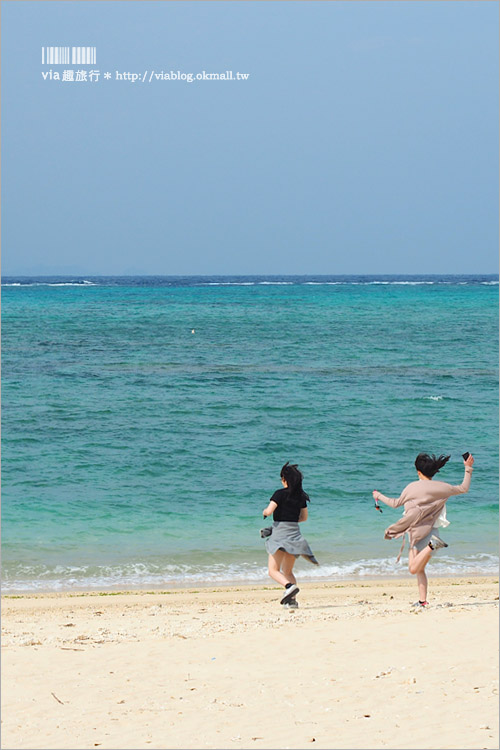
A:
(286, 536)
(425, 541)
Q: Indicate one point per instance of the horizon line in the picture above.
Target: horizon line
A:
(233, 275)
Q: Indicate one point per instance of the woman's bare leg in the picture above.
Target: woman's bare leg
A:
(287, 567)
(417, 567)
(274, 565)
(422, 586)
(418, 560)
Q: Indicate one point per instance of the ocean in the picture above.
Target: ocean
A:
(146, 419)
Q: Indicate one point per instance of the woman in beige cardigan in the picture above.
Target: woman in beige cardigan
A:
(424, 502)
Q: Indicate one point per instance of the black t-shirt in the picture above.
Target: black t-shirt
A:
(288, 507)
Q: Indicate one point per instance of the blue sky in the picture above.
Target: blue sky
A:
(364, 141)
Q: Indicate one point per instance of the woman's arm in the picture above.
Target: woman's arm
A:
(303, 515)
(459, 489)
(394, 502)
(270, 509)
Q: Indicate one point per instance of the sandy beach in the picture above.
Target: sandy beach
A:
(354, 667)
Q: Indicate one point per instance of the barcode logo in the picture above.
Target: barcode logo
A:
(61, 55)
(55, 55)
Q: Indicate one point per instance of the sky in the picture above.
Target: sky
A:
(365, 139)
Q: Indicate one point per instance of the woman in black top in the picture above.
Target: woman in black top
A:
(289, 508)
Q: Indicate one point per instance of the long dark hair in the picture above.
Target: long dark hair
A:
(293, 477)
(430, 465)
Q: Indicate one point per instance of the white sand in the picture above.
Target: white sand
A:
(354, 667)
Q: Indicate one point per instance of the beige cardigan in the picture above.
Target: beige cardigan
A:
(423, 501)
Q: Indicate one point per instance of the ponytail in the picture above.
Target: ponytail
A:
(428, 465)
(293, 477)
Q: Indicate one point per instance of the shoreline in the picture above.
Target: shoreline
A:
(170, 588)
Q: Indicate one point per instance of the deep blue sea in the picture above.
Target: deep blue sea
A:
(145, 422)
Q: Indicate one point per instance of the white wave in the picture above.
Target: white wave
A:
(392, 283)
(52, 283)
(405, 283)
(140, 575)
(388, 567)
(433, 398)
(249, 283)
(346, 282)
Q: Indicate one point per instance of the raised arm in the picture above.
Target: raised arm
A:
(459, 489)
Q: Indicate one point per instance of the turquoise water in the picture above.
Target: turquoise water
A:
(137, 452)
